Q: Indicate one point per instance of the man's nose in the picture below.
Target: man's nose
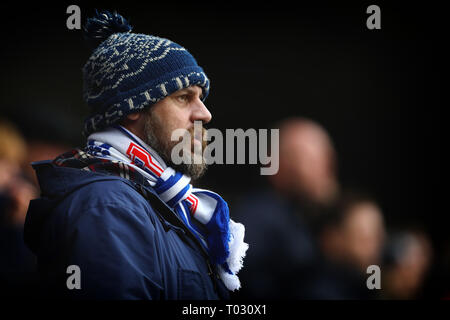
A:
(201, 113)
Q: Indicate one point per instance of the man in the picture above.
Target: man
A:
(119, 219)
(17, 263)
(351, 238)
(285, 213)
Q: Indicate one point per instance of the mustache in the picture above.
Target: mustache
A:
(200, 135)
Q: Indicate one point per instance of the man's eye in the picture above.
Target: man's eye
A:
(183, 98)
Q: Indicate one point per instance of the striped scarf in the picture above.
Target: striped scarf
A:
(204, 212)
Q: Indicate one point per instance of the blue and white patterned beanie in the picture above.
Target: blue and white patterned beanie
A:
(128, 72)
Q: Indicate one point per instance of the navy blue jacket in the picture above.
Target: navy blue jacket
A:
(127, 243)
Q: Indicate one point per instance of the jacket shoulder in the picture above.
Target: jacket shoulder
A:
(107, 199)
(107, 191)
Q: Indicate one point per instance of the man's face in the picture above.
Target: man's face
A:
(308, 163)
(177, 111)
(363, 233)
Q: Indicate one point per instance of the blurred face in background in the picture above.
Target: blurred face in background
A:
(405, 277)
(362, 235)
(307, 162)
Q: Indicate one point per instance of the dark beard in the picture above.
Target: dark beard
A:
(154, 137)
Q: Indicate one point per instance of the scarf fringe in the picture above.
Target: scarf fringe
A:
(235, 260)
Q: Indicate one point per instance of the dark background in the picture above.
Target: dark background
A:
(377, 92)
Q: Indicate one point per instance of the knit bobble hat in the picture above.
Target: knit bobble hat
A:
(128, 72)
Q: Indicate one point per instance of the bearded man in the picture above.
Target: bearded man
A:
(119, 219)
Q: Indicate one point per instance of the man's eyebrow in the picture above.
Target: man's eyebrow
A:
(190, 90)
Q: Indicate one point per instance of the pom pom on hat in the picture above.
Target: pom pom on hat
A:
(104, 24)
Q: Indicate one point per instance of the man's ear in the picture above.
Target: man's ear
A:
(131, 119)
(135, 123)
(134, 116)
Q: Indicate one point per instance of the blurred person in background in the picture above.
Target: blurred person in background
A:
(282, 218)
(38, 130)
(17, 277)
(351, 237)
(407, 258)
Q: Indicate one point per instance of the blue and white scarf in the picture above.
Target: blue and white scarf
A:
(221, 237)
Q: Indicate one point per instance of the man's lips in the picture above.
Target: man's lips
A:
(198, 136)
